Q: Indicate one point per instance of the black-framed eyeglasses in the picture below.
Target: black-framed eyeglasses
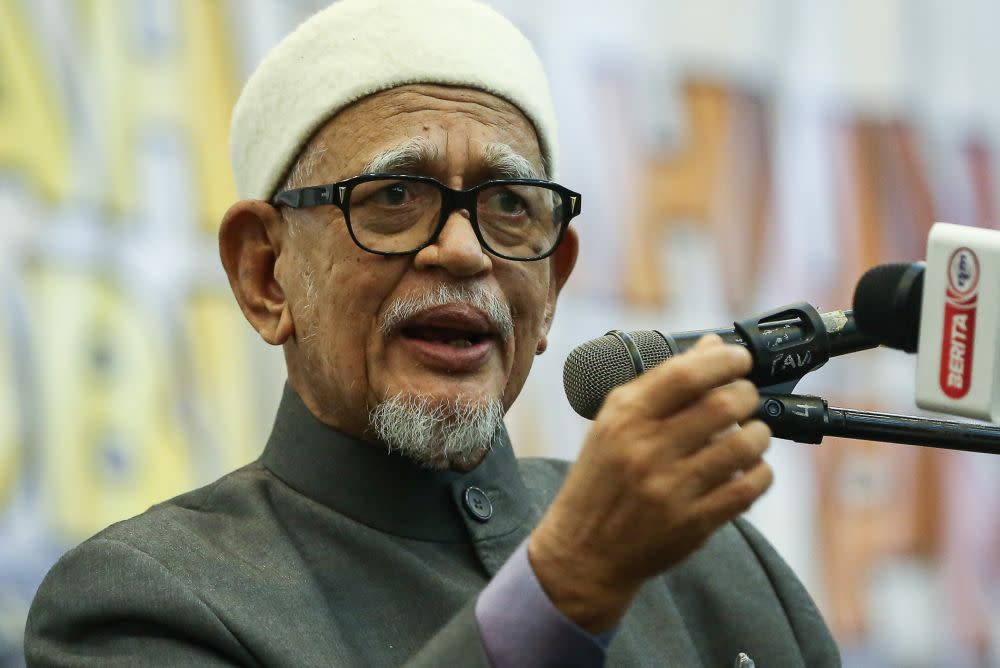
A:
(399, 214)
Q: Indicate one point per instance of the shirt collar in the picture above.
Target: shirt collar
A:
(387, 491)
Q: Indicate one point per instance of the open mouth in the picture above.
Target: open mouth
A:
(450, 336)
(454, 338)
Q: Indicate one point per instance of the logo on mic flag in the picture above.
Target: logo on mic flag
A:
(958, 338)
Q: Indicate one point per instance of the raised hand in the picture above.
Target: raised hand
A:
(662, 468)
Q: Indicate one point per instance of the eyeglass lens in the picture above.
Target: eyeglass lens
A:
(398, 216)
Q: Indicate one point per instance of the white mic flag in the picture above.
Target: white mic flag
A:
(959, 349)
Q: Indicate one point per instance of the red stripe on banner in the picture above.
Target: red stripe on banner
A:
(957, 343)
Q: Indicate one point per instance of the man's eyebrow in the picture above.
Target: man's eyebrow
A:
(498, 158)
(505, 162)
(405, 156)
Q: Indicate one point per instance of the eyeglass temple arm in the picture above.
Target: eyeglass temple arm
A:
(301, 198)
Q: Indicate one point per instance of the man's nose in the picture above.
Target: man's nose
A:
(457, 249)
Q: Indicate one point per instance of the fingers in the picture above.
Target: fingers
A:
(680, 380)
(732, 498)
(706, 341)
(716, 463)
(717, 410)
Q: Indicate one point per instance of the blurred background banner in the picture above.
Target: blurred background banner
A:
(735, 155)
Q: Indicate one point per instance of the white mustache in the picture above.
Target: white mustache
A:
(496, 310)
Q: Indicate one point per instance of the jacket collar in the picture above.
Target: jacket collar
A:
(386, 491)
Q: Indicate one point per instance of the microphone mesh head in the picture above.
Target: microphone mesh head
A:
(653, 348)
(887, 304)
(598, 366)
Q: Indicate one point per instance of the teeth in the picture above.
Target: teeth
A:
(460, 343)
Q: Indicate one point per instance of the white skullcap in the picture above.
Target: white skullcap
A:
(355, 48)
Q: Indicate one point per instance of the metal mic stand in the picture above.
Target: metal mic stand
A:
(807, 419)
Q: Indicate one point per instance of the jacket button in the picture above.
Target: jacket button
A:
(478, 504)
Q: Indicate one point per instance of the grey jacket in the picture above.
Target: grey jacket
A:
(327, 551)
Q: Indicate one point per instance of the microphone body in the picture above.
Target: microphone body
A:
(844, 335)
(786, 344)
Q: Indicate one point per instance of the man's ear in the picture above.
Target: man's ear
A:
(561, 265)
(250, 242)
(563, 261)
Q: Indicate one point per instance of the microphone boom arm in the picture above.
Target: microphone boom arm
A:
(807, 419)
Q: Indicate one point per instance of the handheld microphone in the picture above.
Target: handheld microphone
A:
(948, 313)
(786, 344)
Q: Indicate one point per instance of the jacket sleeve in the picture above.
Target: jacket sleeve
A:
(513, 623)
(107, 603)
(457, 643)
(110, 604)
(815, 642)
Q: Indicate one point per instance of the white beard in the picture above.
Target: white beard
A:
(438, 435)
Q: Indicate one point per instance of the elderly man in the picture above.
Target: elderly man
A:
(400, 240)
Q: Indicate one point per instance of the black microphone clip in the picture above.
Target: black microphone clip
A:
(793, 342)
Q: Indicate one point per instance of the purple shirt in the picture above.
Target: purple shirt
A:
(520, 626)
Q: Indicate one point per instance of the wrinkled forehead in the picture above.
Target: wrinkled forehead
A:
(418, 155)
(425, 129)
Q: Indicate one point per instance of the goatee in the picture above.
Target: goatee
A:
(455, 433)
